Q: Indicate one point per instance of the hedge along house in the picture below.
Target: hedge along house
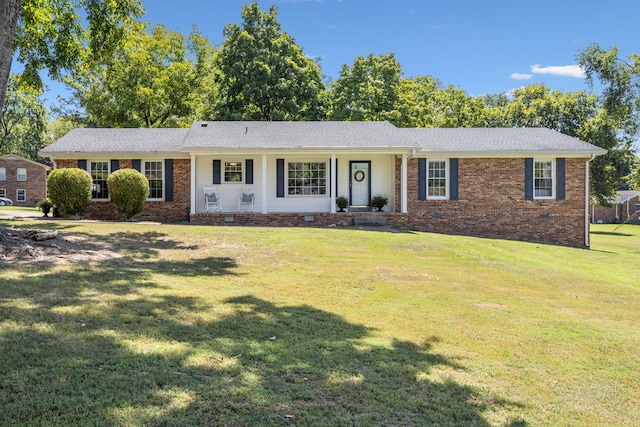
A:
(523, 184)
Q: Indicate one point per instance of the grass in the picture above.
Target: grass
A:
(281, 326)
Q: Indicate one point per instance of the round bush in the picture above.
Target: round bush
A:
(70, 190)
(128, 189)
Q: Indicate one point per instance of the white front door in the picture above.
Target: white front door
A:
(360, 183)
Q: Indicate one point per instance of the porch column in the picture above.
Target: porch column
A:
(264, 184)
(334, 187)
(403, 185)
(193, 184)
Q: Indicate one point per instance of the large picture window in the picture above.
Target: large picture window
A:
(232, 171)
(99, 172)
(307, 178)
(154, 173)
(437, 179)
(543, 179)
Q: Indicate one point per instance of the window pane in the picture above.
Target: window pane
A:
(21, 195)
(99, 172)
(437, 179)
(22, 174)
(307, 178)
(153, 172)
(543, 179)
(3, 174)
(233, 171)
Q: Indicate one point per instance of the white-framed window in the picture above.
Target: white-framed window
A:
(232, 171)
(21, 195)
(99, 171)
(3, 174)
(154, 172)
(543, 179)
(437, 180)
(22, 174)
(307, 178)
(3, 192)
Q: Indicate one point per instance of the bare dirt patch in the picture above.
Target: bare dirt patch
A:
(22, 246)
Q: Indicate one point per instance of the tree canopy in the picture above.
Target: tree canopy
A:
(54, 35)
(153, 80)
(263, 74)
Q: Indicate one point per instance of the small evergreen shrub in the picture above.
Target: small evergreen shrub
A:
(128, 189)
(70, 190)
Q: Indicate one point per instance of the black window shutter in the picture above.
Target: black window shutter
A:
(136, 165)
(528, 178)
(115, 165)
(82, 164)
(279, 177)
(248, 176)
(217, 175)
(422, 179)
(560, 179)
(168, 180)
(453, 179)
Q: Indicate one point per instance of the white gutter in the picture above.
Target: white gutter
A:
(587, 188)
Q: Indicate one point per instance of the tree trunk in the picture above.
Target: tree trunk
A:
(9, 12)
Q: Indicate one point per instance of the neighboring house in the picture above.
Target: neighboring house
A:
(624, 206)
(522, 184)
(22, 180)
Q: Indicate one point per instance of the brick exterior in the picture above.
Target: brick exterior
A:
(491, 204)
(167, 212)
(35, 185)
(616, 213)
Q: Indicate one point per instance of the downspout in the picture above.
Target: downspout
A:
(587, 187)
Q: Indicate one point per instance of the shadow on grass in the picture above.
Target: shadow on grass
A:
(112, 345)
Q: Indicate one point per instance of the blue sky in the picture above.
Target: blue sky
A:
(481, 46)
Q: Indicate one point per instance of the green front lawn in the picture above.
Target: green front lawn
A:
(237, 326)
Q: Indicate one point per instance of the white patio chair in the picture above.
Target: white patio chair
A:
(212, 202)
(245, 201)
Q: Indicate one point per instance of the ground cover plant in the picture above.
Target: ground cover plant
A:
(281, 326)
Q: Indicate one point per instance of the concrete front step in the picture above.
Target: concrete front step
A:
(370, 221)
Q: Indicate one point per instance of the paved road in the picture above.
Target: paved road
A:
(20, 214)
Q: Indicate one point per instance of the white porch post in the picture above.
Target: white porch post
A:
(403, 185)
(264, 184)
(334, 187)
(193, 184)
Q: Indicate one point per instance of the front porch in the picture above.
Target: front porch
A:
(291, 219)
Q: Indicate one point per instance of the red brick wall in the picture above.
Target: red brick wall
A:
(175, 211)
(35, 185)
(603, 214)
(491, 204)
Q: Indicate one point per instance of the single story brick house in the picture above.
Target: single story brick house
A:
(624, 206)
(528, 184)
(22, 180)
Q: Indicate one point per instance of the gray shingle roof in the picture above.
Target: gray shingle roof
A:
(249, 135)
(94, 141)
(285, 135)
(497, 140)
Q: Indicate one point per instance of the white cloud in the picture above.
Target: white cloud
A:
(331, 27)
(521, 76)
(561, 70)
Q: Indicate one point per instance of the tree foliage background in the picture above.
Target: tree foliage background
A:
(123, 73)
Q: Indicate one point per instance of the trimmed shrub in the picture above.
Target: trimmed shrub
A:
(70, 190)
(128, 189)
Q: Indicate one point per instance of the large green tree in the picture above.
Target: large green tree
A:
(23, 124)
(55, 35)
(424, 102)
(617, 124)
(153, 80)
(263, 73)
(368, 90)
